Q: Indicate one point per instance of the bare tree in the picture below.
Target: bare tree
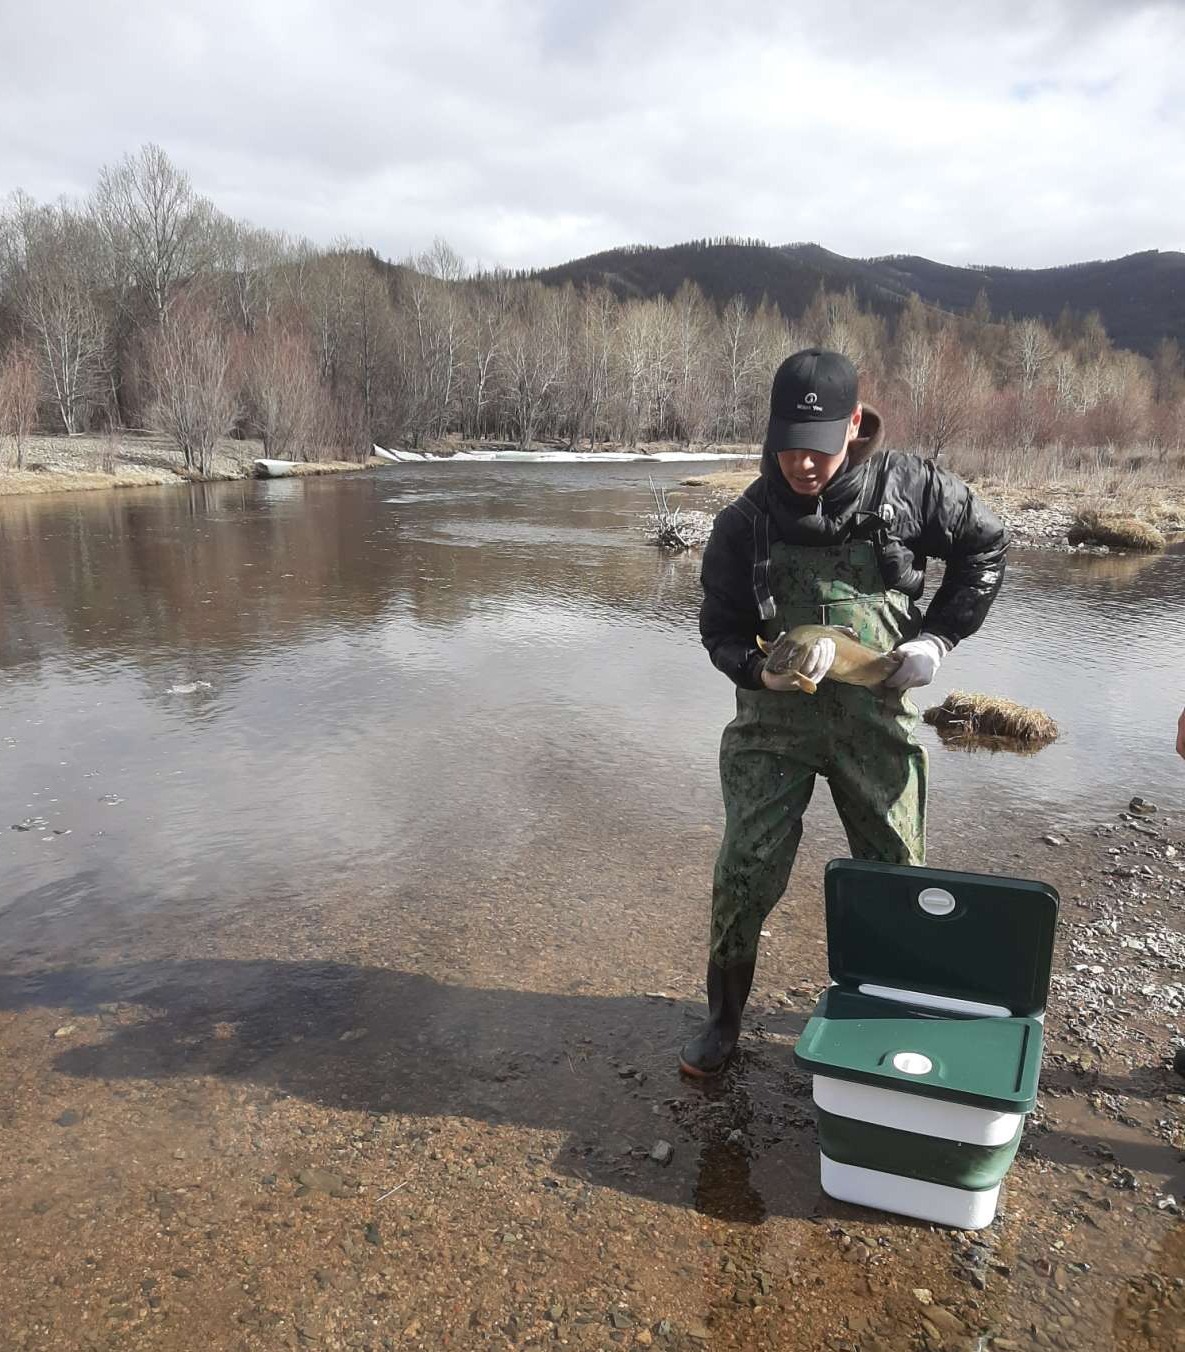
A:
(20, 393)
(249, 261)
(1030, 350)
(159, 229)
(536, 356)
(287, 402)
(54, 249)
(489, 301)
(944, 386)
(740, 366)
(190, 370)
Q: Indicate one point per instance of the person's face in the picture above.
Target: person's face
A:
(809, 472)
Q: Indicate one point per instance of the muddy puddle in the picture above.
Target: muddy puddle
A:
(342, 1011)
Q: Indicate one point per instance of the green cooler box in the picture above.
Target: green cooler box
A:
(925, 1051)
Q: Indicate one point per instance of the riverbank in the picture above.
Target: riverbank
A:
(135, 460)
(283, 1165)
(1038, 518)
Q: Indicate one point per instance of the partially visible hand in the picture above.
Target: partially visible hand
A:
(920, 659)
(814, 664)
(1181, 734)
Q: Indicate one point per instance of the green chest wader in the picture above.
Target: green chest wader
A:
(862, 741)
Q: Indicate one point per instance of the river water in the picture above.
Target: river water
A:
(451, 661)
(363, 891)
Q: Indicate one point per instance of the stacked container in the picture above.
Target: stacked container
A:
(926, 1050)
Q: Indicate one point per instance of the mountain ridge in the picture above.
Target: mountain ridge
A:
(1140, 296)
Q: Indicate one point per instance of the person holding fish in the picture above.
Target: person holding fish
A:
(811, 580)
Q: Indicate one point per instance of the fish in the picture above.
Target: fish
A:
(855, 662)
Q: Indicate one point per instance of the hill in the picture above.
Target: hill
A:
(1140, 297)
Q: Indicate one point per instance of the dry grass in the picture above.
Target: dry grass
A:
(726, 482)
(967, 714)
(1115, 530)
(33, 481)
(1102, 470)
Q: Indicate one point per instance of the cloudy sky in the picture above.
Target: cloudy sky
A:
(1024, 132)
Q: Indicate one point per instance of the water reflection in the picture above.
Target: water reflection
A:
(457, 666)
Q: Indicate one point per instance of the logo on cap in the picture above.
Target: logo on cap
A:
(812, 398)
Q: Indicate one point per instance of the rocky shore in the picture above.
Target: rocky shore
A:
(240, 1154)
(1037, 519)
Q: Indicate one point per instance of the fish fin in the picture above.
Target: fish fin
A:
(847, 629)
(763, 645)
(805, 683)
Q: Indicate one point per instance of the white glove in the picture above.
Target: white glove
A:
(920, 659)
(814, 664)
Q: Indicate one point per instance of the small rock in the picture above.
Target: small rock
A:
(1141, 807)
(663, 1328)
(353, 1034)
(643, 1338)
(923, 1295)
(111, 800)
(65, 1030)
(699, 1332)
(322, 1180)
(555, 1311)
(372, 1235)
(736, 1137)
(618, 1319)
(948, 1324)
(1053, 840)
(662, 1152)
(69, 1118)
(412, 1330)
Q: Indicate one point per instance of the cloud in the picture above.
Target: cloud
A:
(528, 131)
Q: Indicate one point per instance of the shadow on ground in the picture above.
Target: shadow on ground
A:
(600, 1069)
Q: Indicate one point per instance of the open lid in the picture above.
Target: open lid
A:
(963, 936)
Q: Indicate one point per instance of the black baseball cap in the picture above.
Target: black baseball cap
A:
(811, 403)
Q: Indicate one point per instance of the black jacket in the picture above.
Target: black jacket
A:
(907, 506)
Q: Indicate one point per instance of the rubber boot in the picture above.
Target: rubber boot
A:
(709, 1050)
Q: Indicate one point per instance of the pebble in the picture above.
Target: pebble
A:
(1141, 807)
(31, 824)
(923, 1295)
(322, 1180)
(662, 1152)
(68, 1119)
(65, 1030)
(1053, 840)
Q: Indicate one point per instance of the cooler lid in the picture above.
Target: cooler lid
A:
(989, 1063)
(963, 936)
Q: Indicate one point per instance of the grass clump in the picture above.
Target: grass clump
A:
(965, 714)
(1093, 527)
